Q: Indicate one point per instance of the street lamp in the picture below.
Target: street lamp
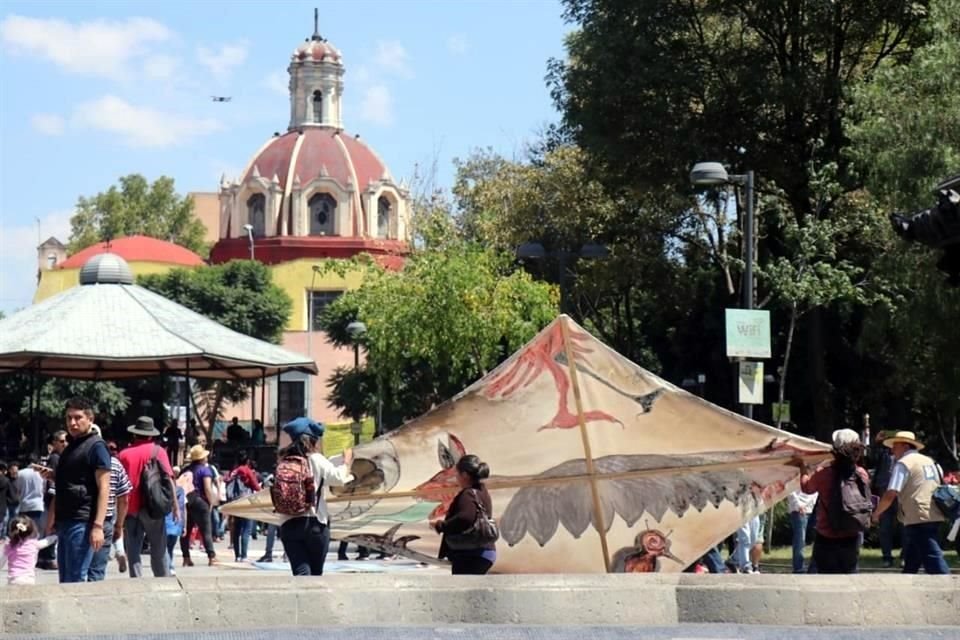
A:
(713, 174)
(588, 251)
(249, 229)
(357, 330)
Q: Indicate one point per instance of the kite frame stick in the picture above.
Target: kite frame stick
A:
(588, 454)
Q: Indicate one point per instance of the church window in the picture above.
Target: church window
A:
(317, 107)
(322, 207)
(383, 217)
(256, 210)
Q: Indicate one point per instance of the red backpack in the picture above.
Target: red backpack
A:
(293, 492)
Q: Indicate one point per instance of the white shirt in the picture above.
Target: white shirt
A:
(30, 486)
(800, 501)
(900, 473)
(325, 473)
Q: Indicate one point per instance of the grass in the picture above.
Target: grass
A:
(779, 560)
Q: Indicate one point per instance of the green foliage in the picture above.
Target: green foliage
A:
(107, 397)
(453, 313)
(137, 208)
(239, 295)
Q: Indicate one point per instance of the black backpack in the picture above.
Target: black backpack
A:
(156, 488)
(850, 504)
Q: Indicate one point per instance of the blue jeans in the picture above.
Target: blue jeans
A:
(240, 537)
(171, 544)
(750, 534)
(272, 530)
(713, 561)
(73, 552)
(921, 547)
(96, 569)
(888, 523)
(798, 521)
(306, 542)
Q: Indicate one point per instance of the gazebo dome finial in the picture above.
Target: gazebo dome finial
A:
(106, 268)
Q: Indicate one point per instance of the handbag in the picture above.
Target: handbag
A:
(482, 532)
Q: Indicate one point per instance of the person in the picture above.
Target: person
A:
(199, 503)
(192, 433)
(835, 551)
(58, 442)
(914, 479)
(462, 515)
(882, 461)
(13, 507)
(117, 502)
(140, 524)
(79, 510)
(171, 440)
(8, 497)
(801, 506)
(746, 555)
(259, 436)
(21, 551)
(118, 550)
(235, 432)
(30, 487)
(175, 527)
(242, 481)
(306, 538)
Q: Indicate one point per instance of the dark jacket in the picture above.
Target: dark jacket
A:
(77, 489)
(882, 461)
(463, 513)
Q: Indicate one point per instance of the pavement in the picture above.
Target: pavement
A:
(526, 632)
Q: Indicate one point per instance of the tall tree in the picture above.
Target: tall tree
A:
(240, 295)
(137, 207)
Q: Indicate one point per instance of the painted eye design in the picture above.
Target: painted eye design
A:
(445, 456)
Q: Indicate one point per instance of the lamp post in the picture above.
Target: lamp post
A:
(357, 330)
(588, 251)
(249, 230)
(713, 174)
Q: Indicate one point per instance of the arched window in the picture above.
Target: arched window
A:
(323, 208)
(256, 212)
(317, 106)
(383, 217)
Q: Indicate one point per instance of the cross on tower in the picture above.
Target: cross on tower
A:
(316, 25)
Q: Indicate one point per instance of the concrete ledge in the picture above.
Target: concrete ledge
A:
(265, 601)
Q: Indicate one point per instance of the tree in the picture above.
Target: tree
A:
(137, 207)
(239, 295)
(448, 317)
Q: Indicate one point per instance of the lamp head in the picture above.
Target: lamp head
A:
(708, 174)
(594, 251)
(248, 228)
(356, 329)
(531, 251)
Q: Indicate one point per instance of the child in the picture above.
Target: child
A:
(175, 528)
(21, 551)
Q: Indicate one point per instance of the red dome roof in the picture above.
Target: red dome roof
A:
(137, 249)
(317, 50)
(323, 151)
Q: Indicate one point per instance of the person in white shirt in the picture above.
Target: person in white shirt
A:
(306, 538)
(801, 507)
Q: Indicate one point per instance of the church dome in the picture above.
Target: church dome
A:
(136, 249)
(106, 268)
(318, 51)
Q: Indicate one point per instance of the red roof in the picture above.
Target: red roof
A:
(137, 249)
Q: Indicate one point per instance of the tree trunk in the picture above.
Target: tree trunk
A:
(786, 363)
(948, 435)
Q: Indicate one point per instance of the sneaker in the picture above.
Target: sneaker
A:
(122, 564)
(266, 559)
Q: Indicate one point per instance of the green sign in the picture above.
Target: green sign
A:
(748, 333)
(781, 412)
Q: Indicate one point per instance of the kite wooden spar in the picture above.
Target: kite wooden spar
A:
(597, 465)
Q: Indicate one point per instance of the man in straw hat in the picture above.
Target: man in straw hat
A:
(914, 479)
(139, 523)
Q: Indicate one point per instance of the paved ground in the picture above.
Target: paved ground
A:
(228, 567)
(681, 632)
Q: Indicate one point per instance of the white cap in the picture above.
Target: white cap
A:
(844, 436)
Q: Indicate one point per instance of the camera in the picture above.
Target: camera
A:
(937, 227)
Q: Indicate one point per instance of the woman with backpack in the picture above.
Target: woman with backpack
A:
(463, 542)
(844, 506)
(199, 503)
(241, 482)
(297, 495)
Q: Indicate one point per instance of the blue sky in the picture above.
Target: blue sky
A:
(93, 91)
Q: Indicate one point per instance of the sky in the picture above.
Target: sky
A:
(91, 91)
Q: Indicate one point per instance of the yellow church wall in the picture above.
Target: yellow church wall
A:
(57, 280)
(297, 278)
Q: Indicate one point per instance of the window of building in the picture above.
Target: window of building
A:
(317, 107)
(383, 217)
(291, 400)
(256, 211)
(320, 301)
(323, 208)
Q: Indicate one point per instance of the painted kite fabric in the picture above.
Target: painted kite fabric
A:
(596, 465)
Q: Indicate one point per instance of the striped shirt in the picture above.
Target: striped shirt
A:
(119, 485)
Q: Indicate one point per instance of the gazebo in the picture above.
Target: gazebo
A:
(108, 328)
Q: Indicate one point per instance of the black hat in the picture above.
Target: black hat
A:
(144, 427)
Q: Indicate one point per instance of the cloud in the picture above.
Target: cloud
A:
(161, 67)
(393, 58)
(18, 256)
(278, 82)
(48, 124)
(377, 105)
(457, 44)
(141, 126)
(221, 61)
(96, 47)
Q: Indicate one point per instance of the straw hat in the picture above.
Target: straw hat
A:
(197, 452)
(908, 437)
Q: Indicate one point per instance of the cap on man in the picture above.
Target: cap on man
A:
(914, 479)
(82, 490)
(139, 523)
